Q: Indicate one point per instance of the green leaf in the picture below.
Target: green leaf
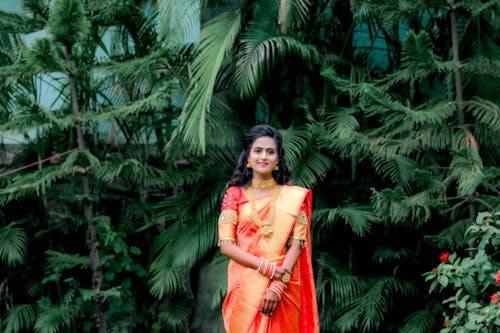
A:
(443, 280)
(20, 318)
(68, 23)
(53, 318)
(259, 51)
(213, 45)
(13, 242)
(417, 51)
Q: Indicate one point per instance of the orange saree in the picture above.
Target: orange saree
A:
(297, 311)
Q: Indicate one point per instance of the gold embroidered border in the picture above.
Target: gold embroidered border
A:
(226, 239)
(302, 217)
(228, 216)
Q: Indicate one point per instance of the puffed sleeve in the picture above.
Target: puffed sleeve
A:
(301, 226)
(228, 218)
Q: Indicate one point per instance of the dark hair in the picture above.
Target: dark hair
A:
(243, 175)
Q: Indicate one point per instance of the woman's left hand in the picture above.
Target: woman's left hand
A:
(269, 303)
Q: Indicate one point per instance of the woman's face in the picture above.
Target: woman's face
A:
(263, 157)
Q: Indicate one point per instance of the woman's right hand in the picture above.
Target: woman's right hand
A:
(269, 303)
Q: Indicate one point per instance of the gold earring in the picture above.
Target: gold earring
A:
(276, 168)
(249, 166)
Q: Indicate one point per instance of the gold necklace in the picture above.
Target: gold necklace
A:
(263, 185)
(266, 227)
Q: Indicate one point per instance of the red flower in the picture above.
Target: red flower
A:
(444, 257)
(494, 298)
(497, 278)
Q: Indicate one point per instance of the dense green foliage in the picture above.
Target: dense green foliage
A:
(472, 283)
(388, 109)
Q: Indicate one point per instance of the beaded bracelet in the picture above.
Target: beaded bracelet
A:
(266, 268)
(278, 288)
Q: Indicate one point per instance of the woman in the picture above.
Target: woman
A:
(264, 229)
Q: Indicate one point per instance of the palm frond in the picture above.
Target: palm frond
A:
(36, 8)
(173, 258)
(376, 101)
(486, 112)
(139, 75)
(30, 115)
(202, 235)
(397, 207)
(341, 128)
(54, 318)
(399, 169)
(312, 168)
(67, 22)
(34, 183)
(215, 42)
(259, 51)
(308, 164)
(80, 159)
(346, 86)
(295, 141)
(90, 295)
(479, 7)
(293, 14)
(13, 242)
(437, 137)
(178, 20)
(417, 53)
(20, 318)
(130, 172)
(336, 284)
(358, 218)
(166, 280)
(58, 261)
(480, 65)
(421, 321)
(387, 11)
(175, 314)
(16, 23)
(368, 310)
(467, 166)
(43, 57)
(222, 119)
(365, 313)
(63, 221)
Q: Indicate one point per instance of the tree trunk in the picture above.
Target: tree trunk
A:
(92, 242)
(459, 97)
(456, 59)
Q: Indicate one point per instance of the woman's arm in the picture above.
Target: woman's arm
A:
(270, 301)
(292, 256)
(231, 250)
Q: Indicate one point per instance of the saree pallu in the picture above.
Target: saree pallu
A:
(297, 310)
